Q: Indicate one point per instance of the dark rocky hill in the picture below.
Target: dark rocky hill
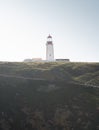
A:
(49, 96)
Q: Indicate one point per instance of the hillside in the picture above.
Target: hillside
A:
(86, 73)
(49, 96)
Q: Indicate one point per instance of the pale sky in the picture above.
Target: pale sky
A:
(73, 24)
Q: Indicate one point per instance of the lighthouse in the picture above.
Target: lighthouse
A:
(49, 49)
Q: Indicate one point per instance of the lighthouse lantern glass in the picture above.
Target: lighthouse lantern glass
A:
(49, 39)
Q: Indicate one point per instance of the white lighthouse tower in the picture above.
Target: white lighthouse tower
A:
(49, 49)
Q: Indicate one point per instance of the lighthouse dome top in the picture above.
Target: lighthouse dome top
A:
(49, 36)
